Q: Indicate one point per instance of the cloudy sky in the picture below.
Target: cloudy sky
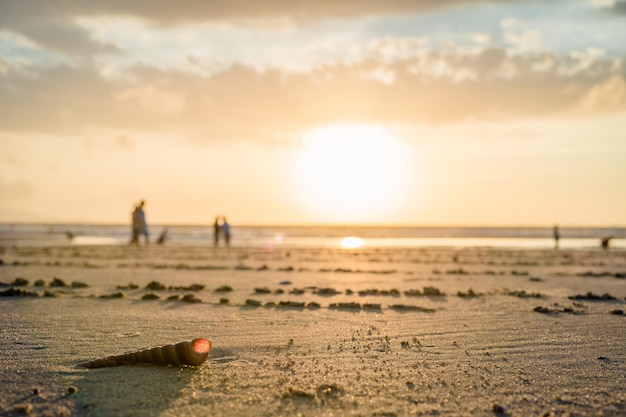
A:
(461, 112)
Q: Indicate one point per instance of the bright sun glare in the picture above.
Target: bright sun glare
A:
(352, 242)
(352, 172)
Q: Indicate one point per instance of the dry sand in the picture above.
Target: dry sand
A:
(317, 332)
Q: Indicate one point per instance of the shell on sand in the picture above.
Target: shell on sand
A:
(191, 353)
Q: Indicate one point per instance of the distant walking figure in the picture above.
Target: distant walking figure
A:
(557, 236)
(604, 242)
(140, 227)
(216, 231)
(226, 231)
(134, 231)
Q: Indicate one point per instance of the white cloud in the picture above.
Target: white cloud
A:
(481, 38)
(581, 61)
(607, 95)
(381, 73)
(602, 3)
(21, 54)
(520, 36)
(152, 98)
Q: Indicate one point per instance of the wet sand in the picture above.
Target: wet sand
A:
(316, 332)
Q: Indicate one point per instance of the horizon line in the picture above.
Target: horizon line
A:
(321, 225)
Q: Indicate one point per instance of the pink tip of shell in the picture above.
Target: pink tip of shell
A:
(201, 345)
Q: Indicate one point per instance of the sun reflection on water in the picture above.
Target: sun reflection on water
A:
(351, 242)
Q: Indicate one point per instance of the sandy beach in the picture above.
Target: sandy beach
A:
(315, 332)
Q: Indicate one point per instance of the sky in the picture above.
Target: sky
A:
(392, 112)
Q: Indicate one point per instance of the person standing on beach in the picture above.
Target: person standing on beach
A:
(216, 231)
(134, 230)
(557, 236)
(142, 221)
(226, 231)
(140, 227)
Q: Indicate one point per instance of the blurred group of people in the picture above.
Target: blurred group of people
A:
(139, 227)
(604, 241)
(221, 228)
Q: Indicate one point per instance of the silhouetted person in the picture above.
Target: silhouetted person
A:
(604, 242)
(134, 230)
(140, 227)
(226, 231)
(217, 229)
(557, 236)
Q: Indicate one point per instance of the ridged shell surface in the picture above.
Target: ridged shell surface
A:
(192, 353)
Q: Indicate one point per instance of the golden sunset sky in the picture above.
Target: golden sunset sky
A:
(414, 112)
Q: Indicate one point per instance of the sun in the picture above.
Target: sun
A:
(352, 172)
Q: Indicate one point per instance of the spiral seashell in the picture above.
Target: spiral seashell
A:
(192, 353)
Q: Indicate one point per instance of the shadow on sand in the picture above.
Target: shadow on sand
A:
(145, 390)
